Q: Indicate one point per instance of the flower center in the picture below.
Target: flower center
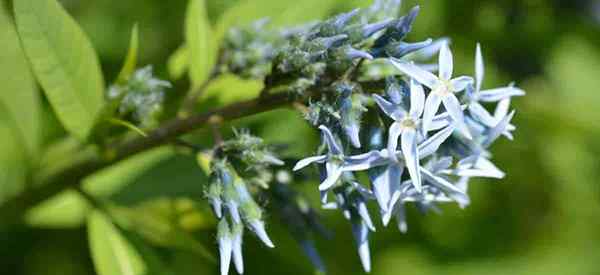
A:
(408, 123)
(443, 88)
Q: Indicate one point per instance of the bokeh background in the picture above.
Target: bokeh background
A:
(543, 218)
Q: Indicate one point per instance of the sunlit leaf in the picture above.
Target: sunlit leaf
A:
(18, 93)
(178, 62)
(200, 42)
(111, 252)
(132, 55)
(64, 62)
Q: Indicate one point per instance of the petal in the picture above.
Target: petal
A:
(454, 109)
(440, 121)
(390, 109)
(445, 62)
(352, 131)
(502, 109)
(306, 161)
(452, 191)
(422, 76)
(460, 83)
(225, 246)
(332, 144)
(393, 135)
(400, 213)
(385, 180)
(313, 255)
(479, 68)
(361, 237)
(258, 227)
(429, 146)
(363, 161)
(238, 259)
(411, 156)
(417, 99)
(363, 212)
(432, 105)
(500, 128)
(333, 174)
(429, 51)
(481, 114)
(493, 95)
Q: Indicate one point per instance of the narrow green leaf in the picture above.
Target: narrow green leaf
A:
(127, 125)
(13, 168)
(64, 62)
(132, 55)
(178, 62)
(111, 252)
(200, 42)
(18, 93)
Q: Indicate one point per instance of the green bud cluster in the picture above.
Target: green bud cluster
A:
(140, 99)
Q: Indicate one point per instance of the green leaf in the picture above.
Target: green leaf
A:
(64, 62)
(18, 94)
(13, 163)
(111, 252)
(229, 88)
(178, 62)
(131, 59)
(200, 43)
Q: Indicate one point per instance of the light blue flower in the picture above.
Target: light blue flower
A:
(442, 88)
(406, 124)
(477, 95)
(336, 162)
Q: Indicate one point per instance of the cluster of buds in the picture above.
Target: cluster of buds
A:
(230, 193)
(249, 51)
(427, 134)
(140, 98)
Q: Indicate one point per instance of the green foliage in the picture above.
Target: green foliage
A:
(112, 253)
(18, 90)
(63, 61)
(200, 42)
(132, 55)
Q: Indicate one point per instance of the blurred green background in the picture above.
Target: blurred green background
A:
(543, 218)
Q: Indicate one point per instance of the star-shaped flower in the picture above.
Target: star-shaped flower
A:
(443, 87)
(407, 124)
(336, 162)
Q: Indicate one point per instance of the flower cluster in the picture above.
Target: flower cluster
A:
(428, 133)
(417, 136)
(249, 51)
(239, 169)
(140, 98)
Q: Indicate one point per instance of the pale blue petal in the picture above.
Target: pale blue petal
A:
(479, 68)
(393, 135)
(400, 214)
(238, 259)
(422, 76)
(500, 128)
(332, 144)
(440, 121)
(258, 227)
(481, 114)
(385, 180)
(361, 237)
(452, 191)
(333, 174)
(313, 255)
(232, 207)
(460, 83)
(225, 249)
(307, 161)
(429, 51)
(411, 156)
(502, 109)
(363, 212)
(417, 99)
(431, 145)
(446, 65)
(352, 131)
(387, 107)
(363, 161)
(454, 109)
(432, 105)
(493, 95)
